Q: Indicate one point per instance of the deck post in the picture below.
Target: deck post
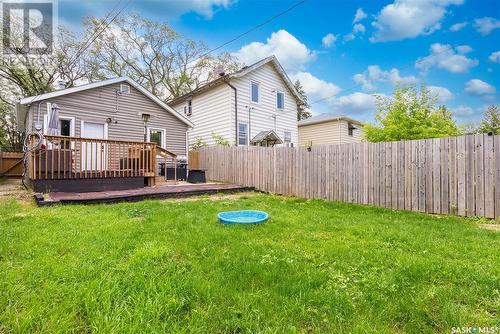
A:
(175, 170)
(152, 152)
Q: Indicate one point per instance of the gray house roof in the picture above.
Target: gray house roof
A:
(29, 100)
(323, 118)
(238, 74)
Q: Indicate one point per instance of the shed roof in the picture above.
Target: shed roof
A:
(323, 118)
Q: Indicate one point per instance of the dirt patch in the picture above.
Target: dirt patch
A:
(14, 189)
(493, 227)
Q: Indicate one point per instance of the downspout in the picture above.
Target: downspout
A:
(235, 111)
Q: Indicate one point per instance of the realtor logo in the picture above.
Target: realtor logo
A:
(27, 27)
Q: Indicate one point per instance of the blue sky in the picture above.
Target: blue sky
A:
(345, 51)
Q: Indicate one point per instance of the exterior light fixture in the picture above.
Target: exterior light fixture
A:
(145, 119)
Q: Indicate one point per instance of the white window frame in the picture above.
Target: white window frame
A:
(252, 82)
(124, 89)
(285, 142)
(189, 107)
(277, 93)
(163, 135)
(46, 118)
(350, 129)
(284, 136)
(248, 135)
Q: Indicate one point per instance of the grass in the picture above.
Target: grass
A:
(316, 266)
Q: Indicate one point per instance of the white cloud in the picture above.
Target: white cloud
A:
(291, 53)
(441, 93)
(360, 15)
(485, 25)
(479, 88)
(466, 114)
(358, 28)
(464, 49)
(495, 57)
(349, 37)
(409, 19)
(462, 110)
(445, 57)
(206, 8)
(375, 74)
(358, 105)
(329, 40)
(458, 26)
(315, 88)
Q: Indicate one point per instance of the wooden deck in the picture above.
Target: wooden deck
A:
(70, 163)
(161, 191)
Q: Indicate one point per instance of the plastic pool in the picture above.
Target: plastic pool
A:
(243, 217)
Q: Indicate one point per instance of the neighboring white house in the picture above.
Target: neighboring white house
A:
(329, 129)
(254, 106)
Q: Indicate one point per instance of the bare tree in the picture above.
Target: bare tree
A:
(24, 74)
(153, 54)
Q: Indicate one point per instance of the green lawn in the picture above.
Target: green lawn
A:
(315, 266)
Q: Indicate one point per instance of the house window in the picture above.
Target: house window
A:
(288, 139)
(280, 100)
(255, 92)
(125, 89)
(157, 136)
(288, 136)
(242, 134)
(350, 129)
(65, 126)
(188, 109)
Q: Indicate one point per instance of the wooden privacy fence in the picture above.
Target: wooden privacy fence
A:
(454, 175)
(11, 164)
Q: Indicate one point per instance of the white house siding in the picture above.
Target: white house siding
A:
(320, 133)
(330, 132)
(212, 112)
(98, 104)
(261, 117)
(357, 134)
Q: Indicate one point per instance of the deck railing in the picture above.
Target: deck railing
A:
(62, 157)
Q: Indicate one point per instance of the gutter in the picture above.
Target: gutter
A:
(235, 111)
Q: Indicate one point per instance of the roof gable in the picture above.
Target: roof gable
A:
(41, 97)
(244, 71)
(272, 60)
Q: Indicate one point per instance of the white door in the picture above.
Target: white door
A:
(93, 153)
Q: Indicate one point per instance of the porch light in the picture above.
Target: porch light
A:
(145, 119)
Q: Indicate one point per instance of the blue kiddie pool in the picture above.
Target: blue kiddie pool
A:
(243, 217)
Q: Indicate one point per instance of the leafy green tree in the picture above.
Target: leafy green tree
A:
(491, 121)
(198, 143)
(410, 114)
(303, 109)
(220, 140)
